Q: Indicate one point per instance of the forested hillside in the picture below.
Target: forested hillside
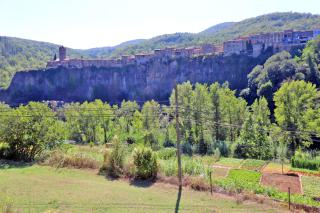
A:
(21, 54)
(221, 32)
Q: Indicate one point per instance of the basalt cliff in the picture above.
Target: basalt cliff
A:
(154, 79)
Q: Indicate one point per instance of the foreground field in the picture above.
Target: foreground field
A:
(40, 188)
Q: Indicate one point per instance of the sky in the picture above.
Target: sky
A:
(85, 24)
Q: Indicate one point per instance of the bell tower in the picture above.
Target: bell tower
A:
(62, 53)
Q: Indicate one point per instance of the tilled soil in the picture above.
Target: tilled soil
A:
(282, 182)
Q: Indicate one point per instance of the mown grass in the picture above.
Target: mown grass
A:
(311, 186)
(252, 164)
(229, 162)
(41, 188)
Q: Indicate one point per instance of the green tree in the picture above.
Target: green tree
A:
(254, 141)
(185, 97)
(295, 102)
(30, 130)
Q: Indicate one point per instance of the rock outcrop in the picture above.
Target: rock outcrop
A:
(152, 80)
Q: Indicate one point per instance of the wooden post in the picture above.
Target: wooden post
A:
(178, 138)
(289, 196)
(211, 182)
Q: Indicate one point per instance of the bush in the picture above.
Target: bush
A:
(129, 170)
(187, 148)
(199, 184)
(203, 147)
(146, 163)
(114, 160)
(305, 161)
(151, 140)
(167, 153)
(25, 137)
(217, 154)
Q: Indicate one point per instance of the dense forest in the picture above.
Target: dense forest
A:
(21, 54)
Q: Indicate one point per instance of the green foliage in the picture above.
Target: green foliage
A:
(21, 54)
(311, 60)
(209, 115)
(305, 161)
(167, 153)
(146, 163)
(28, 130)
(89, 122)
(295, 107)
(254, 141)
(114, 160)
(265, 80)
(191, 166)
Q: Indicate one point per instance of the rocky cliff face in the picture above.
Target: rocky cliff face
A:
(152, 80)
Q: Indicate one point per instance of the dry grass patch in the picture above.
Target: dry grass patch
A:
(80, 161)
(276, 168)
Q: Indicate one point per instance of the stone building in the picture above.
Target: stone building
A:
(237, 46)
(62, 53)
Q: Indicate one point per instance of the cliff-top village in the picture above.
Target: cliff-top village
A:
(251, 45)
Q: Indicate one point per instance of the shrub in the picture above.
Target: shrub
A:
(305, 161)
(199, 184)
(217, 154)
(28, 136)
(146, 163)
(187, 148)
(169, 167)
(129, 170)
(168, 143)
(150, 139)
(167, 153)
(203, 147)
(114, 160)
(4, 148)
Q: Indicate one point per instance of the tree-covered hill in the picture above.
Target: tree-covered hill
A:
(20, 54)
(229, 30)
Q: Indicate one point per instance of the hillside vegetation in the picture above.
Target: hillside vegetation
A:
(20, 54)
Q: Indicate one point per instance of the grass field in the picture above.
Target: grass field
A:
(311, 185)
(252, 164)
(40, 188)
(230, 162)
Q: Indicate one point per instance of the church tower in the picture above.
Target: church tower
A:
(62, 53)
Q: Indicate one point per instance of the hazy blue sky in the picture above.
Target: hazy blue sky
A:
(93, 23)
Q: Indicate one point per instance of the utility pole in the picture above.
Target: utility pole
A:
(178, 138)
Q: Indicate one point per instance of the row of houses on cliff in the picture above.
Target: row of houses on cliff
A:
(251, 45)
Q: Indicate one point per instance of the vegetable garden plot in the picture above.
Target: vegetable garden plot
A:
(282, 182)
